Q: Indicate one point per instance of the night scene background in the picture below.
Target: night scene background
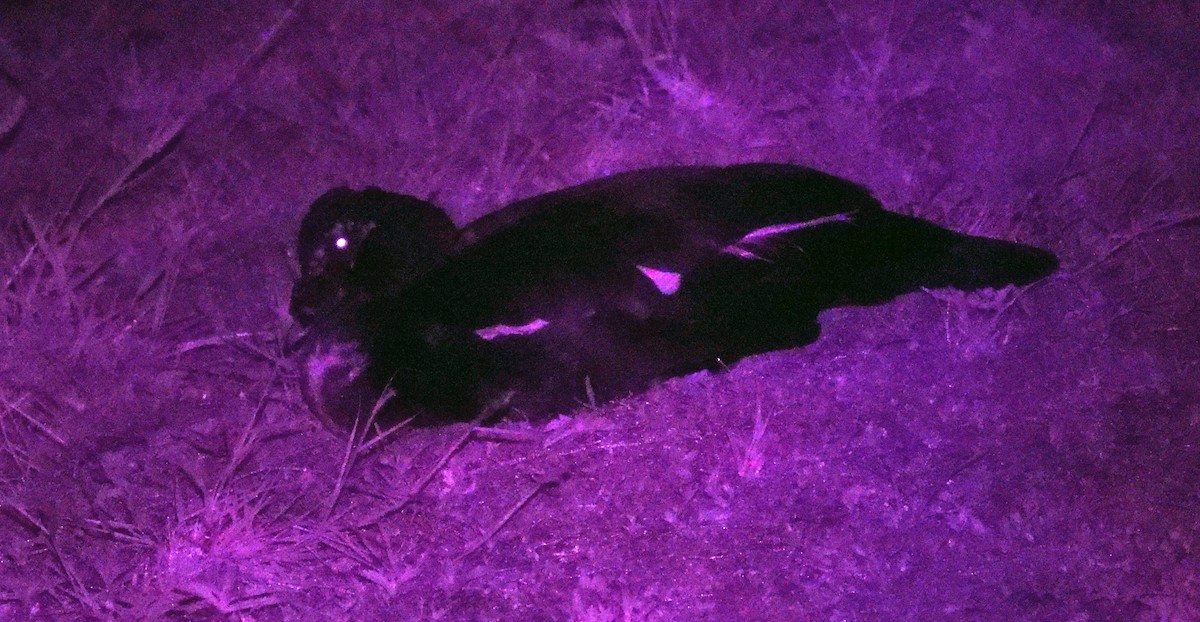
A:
(1028, 454)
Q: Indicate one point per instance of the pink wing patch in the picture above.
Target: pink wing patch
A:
(759, 236)
(667, 282)
(505, 330)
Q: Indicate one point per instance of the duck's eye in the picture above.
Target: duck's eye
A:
(341, 243)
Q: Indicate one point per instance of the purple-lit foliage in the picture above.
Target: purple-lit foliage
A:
(1019, 455)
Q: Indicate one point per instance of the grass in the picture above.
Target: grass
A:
(157, 462)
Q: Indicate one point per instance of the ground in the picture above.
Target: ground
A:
(1017, 455)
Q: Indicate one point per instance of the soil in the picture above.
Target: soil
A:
(1027, 454)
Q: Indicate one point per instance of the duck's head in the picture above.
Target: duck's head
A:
(359, 245)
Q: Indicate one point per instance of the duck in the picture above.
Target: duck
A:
(598, 291)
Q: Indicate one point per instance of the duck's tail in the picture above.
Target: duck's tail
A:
(891, 254)
(974, 262)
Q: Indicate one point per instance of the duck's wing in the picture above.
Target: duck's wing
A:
(696, 210)
(649, 227)
(709, 253)
(572, 258)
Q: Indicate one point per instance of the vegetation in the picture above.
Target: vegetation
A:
(1018, 455)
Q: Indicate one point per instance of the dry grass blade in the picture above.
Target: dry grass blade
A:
(153, 151)
(653, 30)
(441, 464)
(226, 605)
(268, 40)
(249, 437)
(11, 118)
(384, 397)
(839, 20)
(216, 340)
(1163, 223)
(501, 435)
(458, 444)
(524, 501)
(385, 435)
(120, 531)
(79, 591)
(348, 458)
(165, 139)
(356, 447)
(753, 457)
(54, 255)
(41, 427)
(19, 268)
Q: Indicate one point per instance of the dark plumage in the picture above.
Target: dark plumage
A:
(365, 245)
(604, 288)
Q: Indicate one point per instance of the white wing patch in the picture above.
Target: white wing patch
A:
(505, 330)
(760, 236)
(667, 282)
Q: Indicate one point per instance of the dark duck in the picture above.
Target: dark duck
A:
(599, 290)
